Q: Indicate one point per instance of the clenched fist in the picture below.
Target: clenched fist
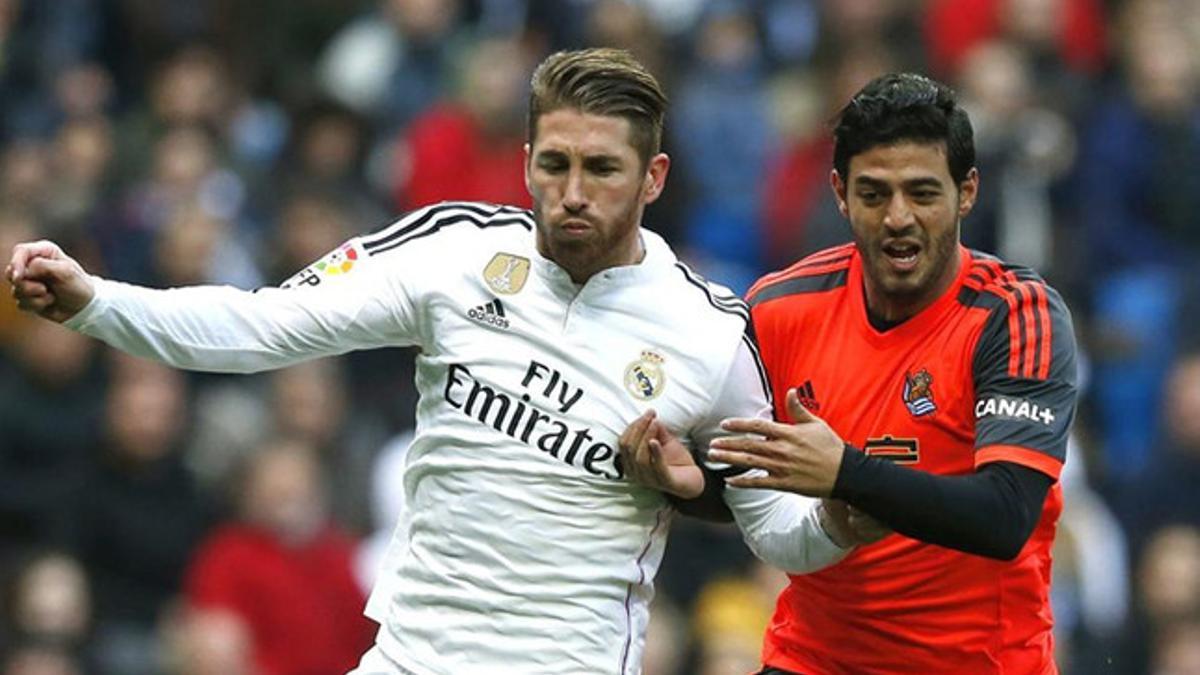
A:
(47, 281)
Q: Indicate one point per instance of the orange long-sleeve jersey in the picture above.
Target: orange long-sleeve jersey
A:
(984, 374)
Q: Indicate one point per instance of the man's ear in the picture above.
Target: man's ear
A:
(528, 183)
(839, 192)
(968, 192)
(656, 177)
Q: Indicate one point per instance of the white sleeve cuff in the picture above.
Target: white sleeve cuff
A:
(784, 529)
(101, 288)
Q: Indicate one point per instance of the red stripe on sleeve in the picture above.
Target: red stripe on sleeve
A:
(1031, 332)
(1047, 332)
(825, 262)
(828, 255)
(1038, 461)
(1024, 346)
(1014, 334)
(1030, 350)
(995, 273)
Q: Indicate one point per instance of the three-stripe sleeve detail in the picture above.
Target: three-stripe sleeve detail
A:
(429, 220)
(1029, 324)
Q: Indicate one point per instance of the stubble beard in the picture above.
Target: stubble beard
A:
(583, 256)
(917, 287)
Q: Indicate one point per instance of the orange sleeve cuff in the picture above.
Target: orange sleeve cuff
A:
(1039, 461)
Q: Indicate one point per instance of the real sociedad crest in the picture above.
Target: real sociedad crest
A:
(506, 273)
(918, 393)
(645, 378)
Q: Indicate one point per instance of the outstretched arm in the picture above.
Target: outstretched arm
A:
(216, 328)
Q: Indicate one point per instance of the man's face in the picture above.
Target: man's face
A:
(589, 188)
(904, 210)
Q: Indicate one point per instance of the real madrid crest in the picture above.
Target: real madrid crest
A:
(645, 378)
(506, 273)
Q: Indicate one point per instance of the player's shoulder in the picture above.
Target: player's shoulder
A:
(705, 300)
(450, 224)
(714, 319)
(812, 275)
(1025, 327)
(1004, 287)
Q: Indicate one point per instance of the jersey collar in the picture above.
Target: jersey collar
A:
(922, 322)
(659, 260)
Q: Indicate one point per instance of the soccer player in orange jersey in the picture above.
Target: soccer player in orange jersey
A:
(927, 385)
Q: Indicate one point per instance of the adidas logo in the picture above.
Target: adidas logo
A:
(808, 398)
(491, 314)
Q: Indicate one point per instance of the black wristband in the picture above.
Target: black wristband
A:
(849, 473)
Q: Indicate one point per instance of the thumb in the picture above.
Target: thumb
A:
(798, 412)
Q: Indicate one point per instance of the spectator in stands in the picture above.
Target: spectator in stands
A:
(722, 134)
(470, 146)
(49, 379)
(1138, 194)
(1024, 148)
(390, 64)
(48, 614)
(285, 570)
(1167, 492)
(1168, 592)
(139, 514)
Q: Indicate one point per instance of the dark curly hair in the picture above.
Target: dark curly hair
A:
(904, 107)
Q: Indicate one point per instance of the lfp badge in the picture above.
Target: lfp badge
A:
(339, 261)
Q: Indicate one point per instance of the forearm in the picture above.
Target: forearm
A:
(783, 529)
(220, 329)
(990, 513)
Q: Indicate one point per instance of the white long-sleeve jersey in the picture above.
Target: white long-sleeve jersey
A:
(523, 548)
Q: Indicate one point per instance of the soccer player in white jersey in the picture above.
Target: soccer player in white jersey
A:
(543, 335)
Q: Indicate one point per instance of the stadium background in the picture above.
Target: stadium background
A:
(170, 142)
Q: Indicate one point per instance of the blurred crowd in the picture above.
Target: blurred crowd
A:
(158, 522)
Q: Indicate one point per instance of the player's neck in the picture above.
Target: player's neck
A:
(879, 323)
(888, 310)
